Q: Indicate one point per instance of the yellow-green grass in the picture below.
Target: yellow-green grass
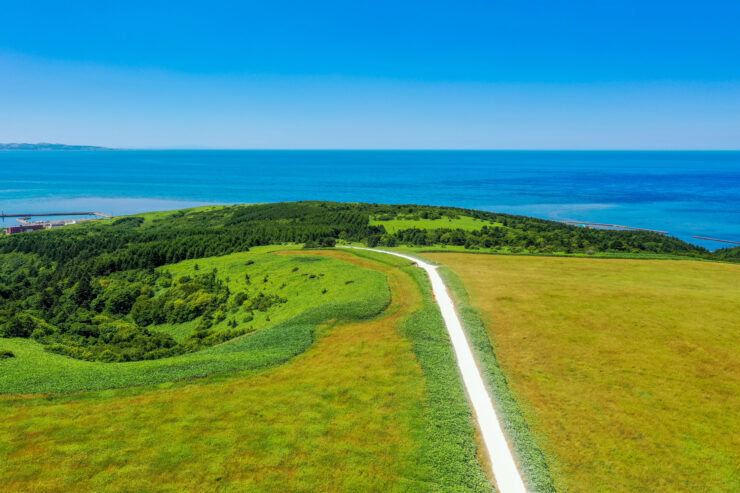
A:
(287, 333)
(463, 222)
(353, 413)
(626, 370)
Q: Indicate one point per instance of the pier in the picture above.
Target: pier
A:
(616, 226)
(715, 239)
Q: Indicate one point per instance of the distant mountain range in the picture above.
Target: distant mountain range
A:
(45, 146)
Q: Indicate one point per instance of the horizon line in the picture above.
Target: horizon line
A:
(351, 149)
(402, 149)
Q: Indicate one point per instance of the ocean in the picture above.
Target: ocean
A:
(685, 193)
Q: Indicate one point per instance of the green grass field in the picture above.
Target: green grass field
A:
(374, 405)
(626, 371)
(305, 281)
(287, 332)
(462, 222)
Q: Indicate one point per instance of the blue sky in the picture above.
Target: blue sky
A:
(331, 74)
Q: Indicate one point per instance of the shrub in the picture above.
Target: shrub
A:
(263, 302)
(21, 325)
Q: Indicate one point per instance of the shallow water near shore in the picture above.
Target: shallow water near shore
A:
(684, 193)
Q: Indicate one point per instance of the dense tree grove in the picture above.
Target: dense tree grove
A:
(105, 319)
(541, 239)
(90, 291)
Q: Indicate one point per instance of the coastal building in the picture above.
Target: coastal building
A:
(23, 228)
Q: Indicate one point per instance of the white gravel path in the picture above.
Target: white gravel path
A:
(505, 472)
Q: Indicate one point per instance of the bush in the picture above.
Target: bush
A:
(21, 325)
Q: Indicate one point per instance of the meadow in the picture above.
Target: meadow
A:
(625, 371)
(372, 405)
(318, 289)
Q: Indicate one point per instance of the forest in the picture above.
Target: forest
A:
(93, 291)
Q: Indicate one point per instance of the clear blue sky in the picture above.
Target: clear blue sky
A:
(361, 74)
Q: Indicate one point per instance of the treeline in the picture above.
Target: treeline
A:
(541, 240)
(728, 254)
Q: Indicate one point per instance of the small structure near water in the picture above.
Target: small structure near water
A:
(23, 228)
(27, 225)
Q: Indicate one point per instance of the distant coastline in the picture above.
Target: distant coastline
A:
(45, 146)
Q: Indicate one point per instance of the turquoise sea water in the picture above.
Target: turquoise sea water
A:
(685, 193)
